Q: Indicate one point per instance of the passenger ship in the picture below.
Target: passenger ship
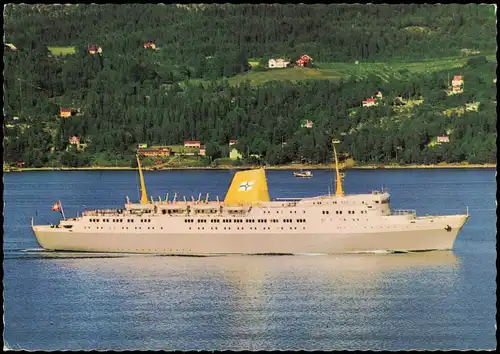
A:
(247, 221)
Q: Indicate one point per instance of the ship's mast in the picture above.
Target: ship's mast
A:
(144, 194)
(338, 191)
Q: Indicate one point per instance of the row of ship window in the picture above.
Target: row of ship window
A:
(340, 212)
(118, 220)
(242, 228)
(241, 220)
(278, 211)
(123, 228)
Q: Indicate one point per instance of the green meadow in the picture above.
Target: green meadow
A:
(291, 74)
(336, 70)
(62, 50)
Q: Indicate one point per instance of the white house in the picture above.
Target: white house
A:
(443, 139)
(278, 63)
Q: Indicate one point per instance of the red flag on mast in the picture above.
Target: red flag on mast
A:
(56, 207)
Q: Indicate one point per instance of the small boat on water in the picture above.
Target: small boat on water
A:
(303, 174)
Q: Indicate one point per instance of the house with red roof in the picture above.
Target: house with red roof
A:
(304, 60)
(369, 102)
(443, 139)
(65, 112)
(457, 84)
(74, 140)
(195, 144)
(149, 45)
(94, 49)
(232, 142)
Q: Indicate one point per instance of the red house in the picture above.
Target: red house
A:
(195, 144)
(149, 45)
(65, 112)
(74, 140)
(369, 102)
(94, 49)
(20, 164)
(304, 60)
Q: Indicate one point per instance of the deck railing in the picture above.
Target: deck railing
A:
(403, 212)
(101, 212)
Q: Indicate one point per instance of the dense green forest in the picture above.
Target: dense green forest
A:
(129, 94)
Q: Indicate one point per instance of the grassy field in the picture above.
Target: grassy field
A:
(386, 71)
(337, 70)
(291, 74)
(254, 62)
(62, 50)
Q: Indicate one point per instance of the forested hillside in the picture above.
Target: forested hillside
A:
(129, 94)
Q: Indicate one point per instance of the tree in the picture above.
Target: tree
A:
(212, 150)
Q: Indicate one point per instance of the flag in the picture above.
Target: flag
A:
(56, 207)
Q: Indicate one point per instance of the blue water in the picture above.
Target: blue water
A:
(434, 300)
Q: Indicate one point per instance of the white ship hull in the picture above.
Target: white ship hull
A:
(420, 237)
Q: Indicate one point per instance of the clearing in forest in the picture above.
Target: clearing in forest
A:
(62, 50)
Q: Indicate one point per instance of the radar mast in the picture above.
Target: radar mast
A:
(338, 190)
(144, 194)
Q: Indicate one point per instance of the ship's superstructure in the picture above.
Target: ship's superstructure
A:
(247, 221)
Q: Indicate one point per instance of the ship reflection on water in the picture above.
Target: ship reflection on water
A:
(249, 266)
(247, 302)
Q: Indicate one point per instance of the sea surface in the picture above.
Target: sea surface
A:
(75, 301)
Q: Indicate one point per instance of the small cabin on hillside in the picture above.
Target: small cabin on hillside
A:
(306, 124)
(304, 60)
(278, 63)
(457, 84)
(149, 45)
(233, 142)
(94, 49)
(65, 112)
(194, 144)
(442, 139)
(369, 102)
(75, 141)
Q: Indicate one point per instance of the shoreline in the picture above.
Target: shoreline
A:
(283, 167)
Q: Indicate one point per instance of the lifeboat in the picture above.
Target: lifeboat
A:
(175, 209)
(205, 208)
